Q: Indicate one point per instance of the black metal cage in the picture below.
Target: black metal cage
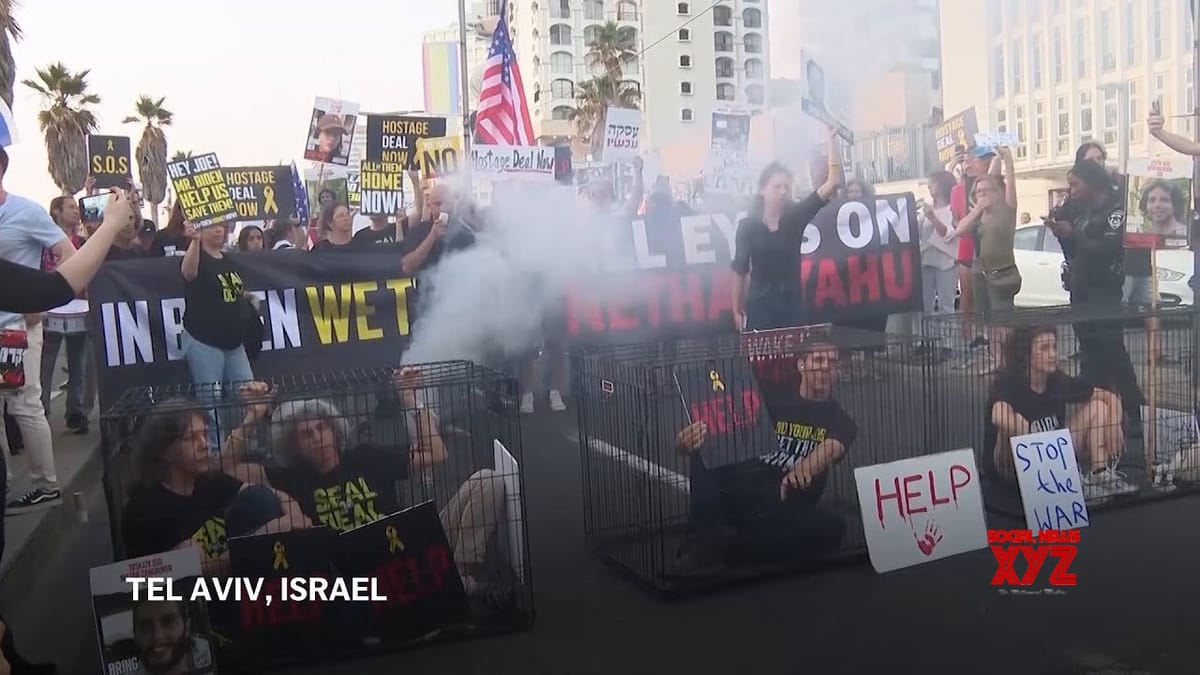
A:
(429, 455)
(1122, 378)
(681, 515)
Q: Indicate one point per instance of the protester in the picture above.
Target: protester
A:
(171, 240)
(326, 198)
(768, 508)
(383, 232)
(335, 229)
(166, 645)
(425, 244)
(64, 210)
(1093, 243)
(145, 236)
(125, 245)
(214, 318)
(342, 482)
(286, 233)
(1032, 394)
(859, 190)
(768, 248)
(1155, 122)
(993, 223)
(970, 166)
(250, 239)
(939, 247)
(181, 498)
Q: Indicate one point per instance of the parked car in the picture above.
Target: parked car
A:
(1040, 259)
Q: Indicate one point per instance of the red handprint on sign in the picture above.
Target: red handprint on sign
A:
(930, 539)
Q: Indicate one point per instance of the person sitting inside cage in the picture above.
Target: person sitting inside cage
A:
(1032, 394)
(178, 499)
(344, 482)
(767, 508)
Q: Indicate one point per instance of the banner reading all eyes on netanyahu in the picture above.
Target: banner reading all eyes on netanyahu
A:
(337, 311)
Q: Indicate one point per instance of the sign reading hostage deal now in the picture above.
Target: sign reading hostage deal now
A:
(355, 311)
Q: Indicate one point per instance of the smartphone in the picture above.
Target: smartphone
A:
(91, 209)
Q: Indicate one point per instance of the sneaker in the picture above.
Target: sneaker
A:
(77, 424)
(556, 402)
(527, 404)
(34, 500)
(1100, 485)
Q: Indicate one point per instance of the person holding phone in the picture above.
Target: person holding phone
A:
(1156, 123)
(214, 318)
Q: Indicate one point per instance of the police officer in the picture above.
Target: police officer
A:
(1092, 241)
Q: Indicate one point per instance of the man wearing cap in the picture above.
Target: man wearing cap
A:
(330, 134)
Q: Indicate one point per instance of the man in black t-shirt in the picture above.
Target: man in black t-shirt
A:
(768, 507)
(1032, 395)
(380, 232)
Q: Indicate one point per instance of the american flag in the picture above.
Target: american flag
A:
(502, 116)
(301, 196)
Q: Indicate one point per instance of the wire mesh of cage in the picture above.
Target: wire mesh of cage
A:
(428, 455)
(680, 513)
(1121, 378)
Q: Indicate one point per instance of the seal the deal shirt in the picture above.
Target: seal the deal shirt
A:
(800, 426)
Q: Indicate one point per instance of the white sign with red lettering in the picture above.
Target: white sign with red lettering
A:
(921, 509)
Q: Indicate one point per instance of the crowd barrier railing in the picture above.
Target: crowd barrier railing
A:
(1129, 396)
(679, 523)
(430, 457)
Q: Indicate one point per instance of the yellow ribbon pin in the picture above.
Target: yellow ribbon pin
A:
(281, 562)
(717, 385)
(394, 543)
(269, 205)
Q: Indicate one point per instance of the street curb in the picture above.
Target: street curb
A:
(42, 543)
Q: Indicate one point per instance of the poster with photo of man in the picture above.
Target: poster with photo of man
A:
(152, 637)
(730, 131)
(331, 131)
(1158, 203)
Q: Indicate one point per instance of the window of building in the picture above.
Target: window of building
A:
(560, 35)
(723, 41)
(683, 9)
(1136, 125)
(1064, 117)
(725, 67)
(685, 61)
(753, 43)
(1108, 53)
(1002, 120)
(726, 92)
(685, 88)
(627, 11)
(1035, 60)
(1057, 56)
(1039, 133)
(562, 112)
(754, 69)
(1085, 113)
(1130, 24)
(998, 70)
(560, 9)
(589, 34)
(1159, 36)
(751, 18)
(629, 66)
(593, 10)
(1016, 66)
(686, 115)
(755, 94)
(562, 88)
(722, 16)
(1081, 48)
(685, 35)
(1021, 149)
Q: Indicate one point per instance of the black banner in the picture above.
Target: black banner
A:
(261, 192)
(393, 138)
(108, 160)
(330, 312)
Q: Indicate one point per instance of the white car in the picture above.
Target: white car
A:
(1040, 259)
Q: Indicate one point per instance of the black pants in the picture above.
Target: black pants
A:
(1104, 361)
(737, 508)
(774, 309)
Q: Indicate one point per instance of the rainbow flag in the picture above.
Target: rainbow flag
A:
(443, 78)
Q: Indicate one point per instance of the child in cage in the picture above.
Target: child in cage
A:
(178, 500)
(1032, 394)
(343, 483)
(767, 508)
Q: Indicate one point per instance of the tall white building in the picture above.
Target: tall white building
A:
(719, 58)
(1050, 70)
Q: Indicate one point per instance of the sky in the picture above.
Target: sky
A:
(240, 75)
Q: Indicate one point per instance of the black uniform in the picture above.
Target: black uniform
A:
(1095, 249)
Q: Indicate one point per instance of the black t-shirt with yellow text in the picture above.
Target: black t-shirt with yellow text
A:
(360, 490)
(216, 309)
(157, 520)
(801, 425)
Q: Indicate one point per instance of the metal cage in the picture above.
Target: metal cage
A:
(1136, 432)
(649, 510)
(379, 425)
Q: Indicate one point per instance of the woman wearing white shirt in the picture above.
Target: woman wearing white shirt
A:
(939, 246)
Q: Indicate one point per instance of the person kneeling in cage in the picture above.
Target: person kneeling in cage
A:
(344, 481)
(767, 508)
(1032, 394)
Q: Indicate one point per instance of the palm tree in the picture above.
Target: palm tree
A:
(66, 122)
(10, 32)
(610, 47)
(180, 155)
(152, 149)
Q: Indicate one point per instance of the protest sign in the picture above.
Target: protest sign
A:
(996, 139)
(512, 161)
(331, 131)
(392, 139)
(440, 157)
(261, 192)
(382, 188)
(955, 132)
(354, 189)
(326, 187)
(921, 509)
(108, 160)
(724, 396)
(510, 473)
(409, 555)
(201, 190)
(1048, 475)
(727, 172)
(128, 630)
(730, 131)
(673, 281)
(823, 98)
(1158, 203)
(622, 135)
